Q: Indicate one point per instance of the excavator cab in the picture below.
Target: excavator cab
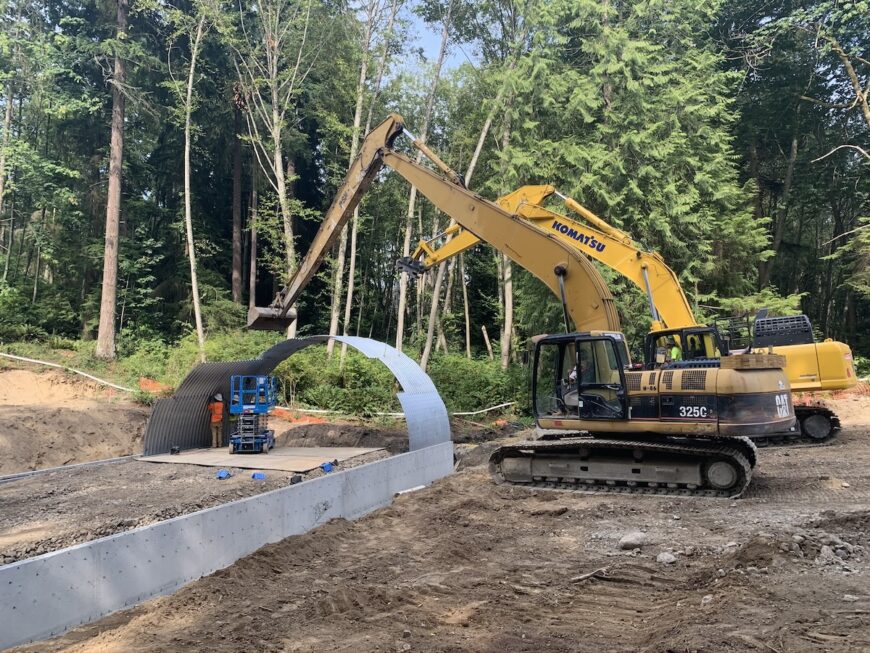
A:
(581, 375)
(697, 343)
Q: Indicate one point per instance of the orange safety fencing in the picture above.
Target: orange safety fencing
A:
(297, 417)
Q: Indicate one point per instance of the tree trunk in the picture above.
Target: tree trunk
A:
(188, 214)
(486, 340)
(106, 334)
(781, 214)
(9, 245)
(860, 95)
(465, 306)
(507, 267)
(237, 205)
(338, 276)
(508, 329)
(21, 240)
(354, 225)
(252, 273)
(828, 282)
(412, 197)
(4, 145)
(287, 218)
(36, 276)
(7, 126)
(433, 316)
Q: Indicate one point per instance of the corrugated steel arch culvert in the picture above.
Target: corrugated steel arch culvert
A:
(182, 419)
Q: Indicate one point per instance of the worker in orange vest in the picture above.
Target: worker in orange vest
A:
(216, 409)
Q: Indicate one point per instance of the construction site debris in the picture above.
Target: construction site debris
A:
(633, 540)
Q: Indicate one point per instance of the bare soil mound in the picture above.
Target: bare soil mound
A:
(394, 440)
(51, 388)
(50, 419)
(853, 407)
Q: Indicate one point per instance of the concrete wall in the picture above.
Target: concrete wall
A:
(48, 595)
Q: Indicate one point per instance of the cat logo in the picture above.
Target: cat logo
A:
(783, 409)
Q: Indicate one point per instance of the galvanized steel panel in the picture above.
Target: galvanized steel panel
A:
(48, 595)
(426, 419)
(182, 420)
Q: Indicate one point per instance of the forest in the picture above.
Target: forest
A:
(165, 166)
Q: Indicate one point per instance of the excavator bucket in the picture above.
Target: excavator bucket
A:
(269, 319)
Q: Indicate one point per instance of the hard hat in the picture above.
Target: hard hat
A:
(218, 396)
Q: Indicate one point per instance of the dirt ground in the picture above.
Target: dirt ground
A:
(49, 419)
(466, 565)
(44, 513)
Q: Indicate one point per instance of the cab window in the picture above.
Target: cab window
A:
(556, 380)
(600, 392)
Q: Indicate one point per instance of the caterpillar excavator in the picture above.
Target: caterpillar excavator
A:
(604, 425)
(810, 366)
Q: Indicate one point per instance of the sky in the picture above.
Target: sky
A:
(429, 39)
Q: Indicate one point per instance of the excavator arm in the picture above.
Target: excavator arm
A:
(280, 313)
(600, 241)
(556, 263)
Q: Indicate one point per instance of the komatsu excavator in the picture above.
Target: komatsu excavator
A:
(810, 366)
(604, 425)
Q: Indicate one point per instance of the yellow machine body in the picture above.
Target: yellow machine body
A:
(809, 367)
(825, 365)
(689, 424)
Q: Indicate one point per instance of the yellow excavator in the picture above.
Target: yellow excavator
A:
(604, 425)
(810, 366)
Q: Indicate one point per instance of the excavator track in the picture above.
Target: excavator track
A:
(818, 425)
(709, 467)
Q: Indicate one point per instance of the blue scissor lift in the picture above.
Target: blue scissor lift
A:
(251, 399)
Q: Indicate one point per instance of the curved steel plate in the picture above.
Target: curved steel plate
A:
(182, 420)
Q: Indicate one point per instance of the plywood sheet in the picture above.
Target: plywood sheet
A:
(286, 459)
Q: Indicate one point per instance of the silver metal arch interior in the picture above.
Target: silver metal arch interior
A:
(182, 419)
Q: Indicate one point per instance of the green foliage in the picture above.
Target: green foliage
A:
(673, 120)
(630, 113)
(767, 298)
(470, 384)
(363, 387)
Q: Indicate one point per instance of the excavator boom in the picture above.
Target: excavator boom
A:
(600, 241)
(556, 263)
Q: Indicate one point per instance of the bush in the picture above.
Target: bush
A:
(363, 387)
(467, 385)
(148, 360)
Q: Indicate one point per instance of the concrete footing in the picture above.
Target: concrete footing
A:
(50, 594)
